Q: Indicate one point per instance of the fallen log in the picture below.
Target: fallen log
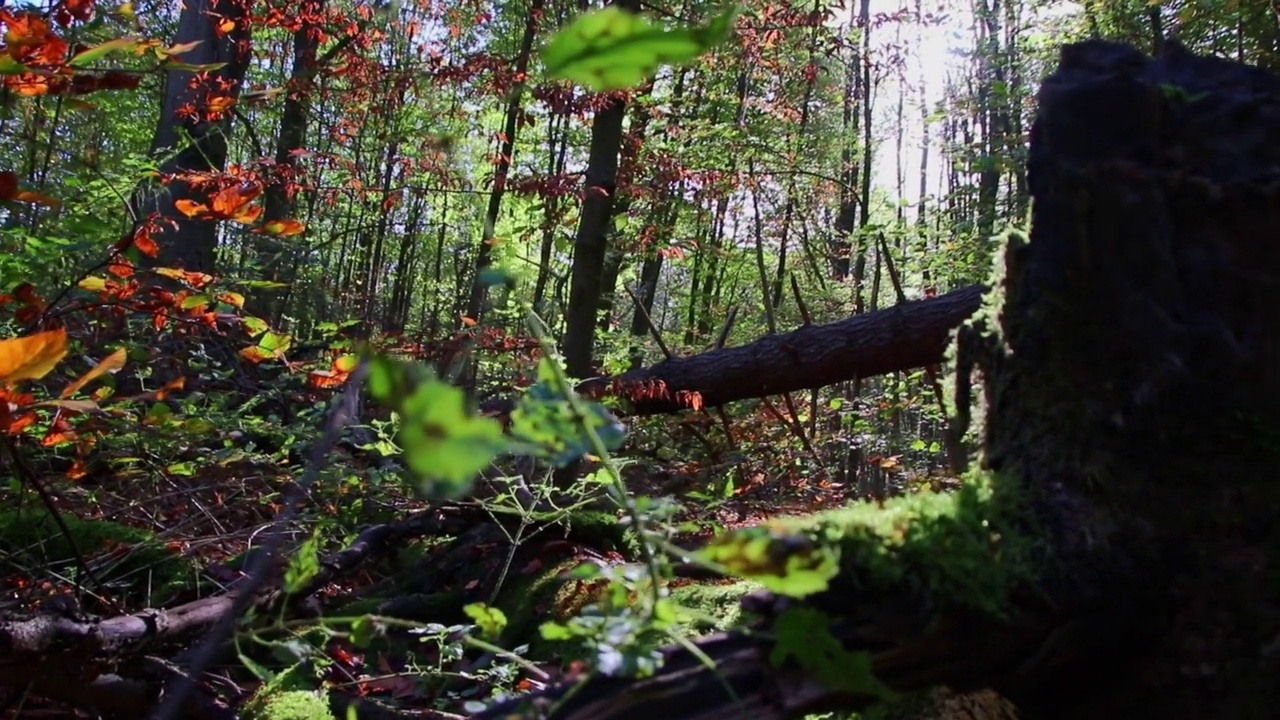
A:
(906, 336)
(1116, 557)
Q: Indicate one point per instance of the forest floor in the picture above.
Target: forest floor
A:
(166, 518)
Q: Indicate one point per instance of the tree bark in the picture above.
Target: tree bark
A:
(590, 245)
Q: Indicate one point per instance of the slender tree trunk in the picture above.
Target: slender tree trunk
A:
(864, 206)
(591, 243)
(199, 144)
(278, 196)
(506, 155)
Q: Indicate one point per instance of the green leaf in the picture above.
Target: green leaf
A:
(254, 326)
(97, 52)
(444, 445)
(612, 48)
(442, 442)
(792, 565)
(304, 565)
(496, 276)
(274, 342)
(9, 66)
(256, 668)
(491, 620)
(546, 422)
(188, 67)
(555, 631)
(365, 630)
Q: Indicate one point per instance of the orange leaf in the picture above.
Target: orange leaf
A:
(247, 215)
(120, 267)
(229, 201)
(281, 227)
(194, 279)
(31, 357)
(145, 243)
(189, 208)
(35, 198)
(255, 354)
(110, 363)
(221, 104)
(324, 379)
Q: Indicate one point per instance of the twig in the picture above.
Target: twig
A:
(728, 326)
(804, 309)
(648, 321)
(724, 422)
(799, 429)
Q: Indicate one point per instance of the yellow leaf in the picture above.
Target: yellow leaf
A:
(80, 406)
(31, 357)
(110, 363)
(93, 284)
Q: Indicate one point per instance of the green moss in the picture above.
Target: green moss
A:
(540, 597)
(290, 695)
(603, 531)
(293, 705)
(31, 537)
(712, 608)
(968, 547)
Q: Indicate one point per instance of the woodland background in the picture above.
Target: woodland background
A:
(222, 203)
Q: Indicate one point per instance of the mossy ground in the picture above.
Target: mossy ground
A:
(118, 554)
(290, 695)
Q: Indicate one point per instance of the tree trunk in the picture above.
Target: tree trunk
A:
(277, 259)
(195, 144)
(506, 155)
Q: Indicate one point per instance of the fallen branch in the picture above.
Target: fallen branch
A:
(41, 649)
(906, 336)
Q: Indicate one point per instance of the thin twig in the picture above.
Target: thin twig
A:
(799, 430)
(728, 326)
(804, 309)
(648, 321)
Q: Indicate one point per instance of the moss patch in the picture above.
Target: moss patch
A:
(31, 537)
(290, 695)
(293, 705)
(968, 547)
(712, 608)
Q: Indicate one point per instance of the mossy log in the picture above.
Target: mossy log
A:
(1116, 555)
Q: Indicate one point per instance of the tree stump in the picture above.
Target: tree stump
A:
(1135, 378)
